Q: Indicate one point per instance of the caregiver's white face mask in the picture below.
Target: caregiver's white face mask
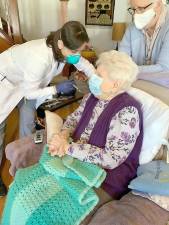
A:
(142, 20)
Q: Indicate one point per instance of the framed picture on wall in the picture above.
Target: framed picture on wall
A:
(99, 12)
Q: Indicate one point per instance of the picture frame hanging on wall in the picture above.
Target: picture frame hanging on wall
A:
(99, 12)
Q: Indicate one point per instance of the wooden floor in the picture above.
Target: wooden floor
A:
(12, 134)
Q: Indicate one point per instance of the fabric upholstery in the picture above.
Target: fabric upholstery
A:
(130, 210)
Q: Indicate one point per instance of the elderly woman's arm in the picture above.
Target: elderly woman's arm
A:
(59, 142)
(73, 119)
(121, 138)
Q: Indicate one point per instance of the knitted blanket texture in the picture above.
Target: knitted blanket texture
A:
(56, 191)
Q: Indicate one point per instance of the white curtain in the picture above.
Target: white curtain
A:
(0, 23)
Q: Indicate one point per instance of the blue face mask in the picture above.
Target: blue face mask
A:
(73, 59)
(95, 84)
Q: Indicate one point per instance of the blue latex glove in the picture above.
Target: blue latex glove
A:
(66, 88)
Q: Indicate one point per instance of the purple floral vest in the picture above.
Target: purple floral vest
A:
(117, 179)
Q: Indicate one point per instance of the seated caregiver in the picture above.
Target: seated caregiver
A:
(147, 39)
(27, 69)
(107, 128)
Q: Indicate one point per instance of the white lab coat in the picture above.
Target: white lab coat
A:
(29, 68)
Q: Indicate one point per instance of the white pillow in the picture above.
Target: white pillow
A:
(156, 124)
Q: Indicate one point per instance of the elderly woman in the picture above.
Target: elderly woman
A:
(107, 128)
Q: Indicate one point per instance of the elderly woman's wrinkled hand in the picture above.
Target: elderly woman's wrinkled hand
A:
(58, 146)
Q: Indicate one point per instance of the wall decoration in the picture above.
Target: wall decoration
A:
(99, 12)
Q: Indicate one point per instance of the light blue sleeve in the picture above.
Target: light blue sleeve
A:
(161, 78)
(125, 44)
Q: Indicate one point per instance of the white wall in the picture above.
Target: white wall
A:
(2, 8)
(39, 17)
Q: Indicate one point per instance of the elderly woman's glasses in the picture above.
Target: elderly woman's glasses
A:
(132, 11)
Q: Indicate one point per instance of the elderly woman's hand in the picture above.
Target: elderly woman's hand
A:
(58, 145)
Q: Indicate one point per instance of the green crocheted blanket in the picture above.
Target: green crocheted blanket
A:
(56, 191)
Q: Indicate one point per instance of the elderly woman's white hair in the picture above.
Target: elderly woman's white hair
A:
(119, 66)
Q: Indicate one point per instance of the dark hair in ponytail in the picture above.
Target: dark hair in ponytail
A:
(73, 34)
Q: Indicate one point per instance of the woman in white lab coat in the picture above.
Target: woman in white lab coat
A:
(27, 69)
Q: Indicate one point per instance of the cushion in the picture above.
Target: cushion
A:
(161, 200)
(153, 178)
(130, 210)
(153, 89)
(156, 124)
(54, 124)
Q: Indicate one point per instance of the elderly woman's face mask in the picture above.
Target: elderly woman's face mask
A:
(102, 85)
(95, 83)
